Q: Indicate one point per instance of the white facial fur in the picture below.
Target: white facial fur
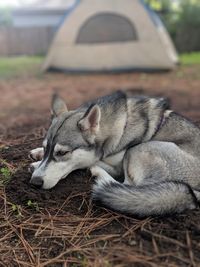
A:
(54, 171)
(44, 144)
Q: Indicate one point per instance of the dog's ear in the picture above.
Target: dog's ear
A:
(163, 102)
(58, 105)
(91, 120)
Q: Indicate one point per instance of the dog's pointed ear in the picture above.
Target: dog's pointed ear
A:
(58, 105)
(91, 120)
(163, 102)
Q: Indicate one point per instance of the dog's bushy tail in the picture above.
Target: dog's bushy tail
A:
(153, 199)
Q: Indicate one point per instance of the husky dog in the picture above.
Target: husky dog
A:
(155, 151)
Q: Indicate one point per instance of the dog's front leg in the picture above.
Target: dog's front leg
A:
(33, 166)
(37, 154)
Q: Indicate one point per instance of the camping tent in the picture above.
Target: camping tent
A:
(111, 35)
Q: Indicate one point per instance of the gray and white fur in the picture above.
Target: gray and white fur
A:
(137, 140)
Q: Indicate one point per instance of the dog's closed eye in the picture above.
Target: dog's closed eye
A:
(61, 153)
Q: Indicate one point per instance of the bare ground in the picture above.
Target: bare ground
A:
(61, 227)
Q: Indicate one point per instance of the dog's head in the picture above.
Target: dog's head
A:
(70, 143)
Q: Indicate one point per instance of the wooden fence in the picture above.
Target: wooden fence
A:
(25, 41)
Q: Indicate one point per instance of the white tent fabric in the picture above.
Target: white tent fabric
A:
(111, 35)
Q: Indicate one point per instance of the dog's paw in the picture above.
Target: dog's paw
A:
(33, 166)
(96, 171)
(36, 154)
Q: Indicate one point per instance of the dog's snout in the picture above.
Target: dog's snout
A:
(37, 181)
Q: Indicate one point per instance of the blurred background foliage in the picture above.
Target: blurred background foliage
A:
(182, 19)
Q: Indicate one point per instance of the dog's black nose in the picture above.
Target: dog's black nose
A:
(37, 181)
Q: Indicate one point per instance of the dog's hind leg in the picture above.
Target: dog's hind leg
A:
(113, 171)
(147, 195)
(103, 175)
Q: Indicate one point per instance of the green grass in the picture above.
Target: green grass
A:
(190, 58)
(17, 66)
(11, 67)
(5, 175)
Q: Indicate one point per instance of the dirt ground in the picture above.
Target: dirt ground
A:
(61, 227)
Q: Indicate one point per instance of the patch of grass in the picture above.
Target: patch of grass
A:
(5, 175)
(33, 205)
(6, 171)
(190, 58)
(17, 209)
(16, 66)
